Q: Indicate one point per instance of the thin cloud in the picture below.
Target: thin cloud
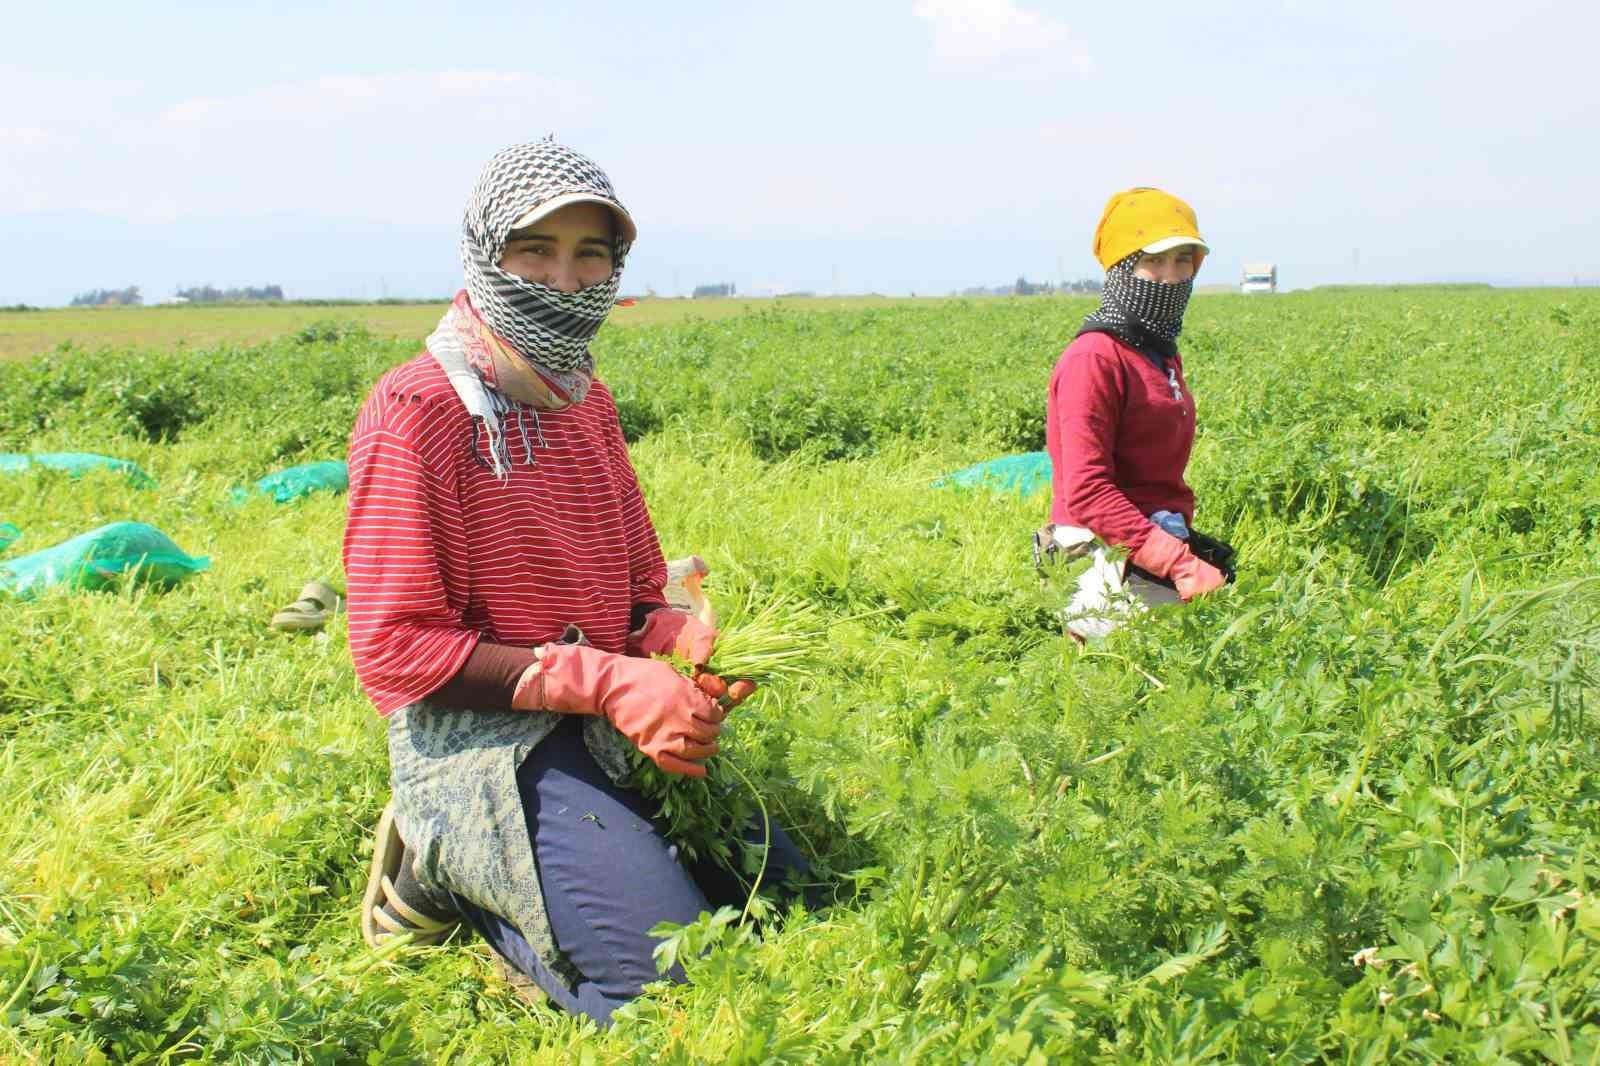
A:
(336, 97)
(24, 137)
(978, 34)
(1097, 132)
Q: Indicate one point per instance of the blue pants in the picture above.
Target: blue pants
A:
(608, 875)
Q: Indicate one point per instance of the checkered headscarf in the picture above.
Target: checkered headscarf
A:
(549, 328)
(1144, 313)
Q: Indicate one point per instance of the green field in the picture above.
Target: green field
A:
(24, 333)
(1345, 810)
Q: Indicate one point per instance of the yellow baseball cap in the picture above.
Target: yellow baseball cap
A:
(1145, 220)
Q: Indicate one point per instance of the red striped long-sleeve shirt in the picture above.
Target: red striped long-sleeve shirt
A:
(439, 553)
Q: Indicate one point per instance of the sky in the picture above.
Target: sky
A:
(890, 146)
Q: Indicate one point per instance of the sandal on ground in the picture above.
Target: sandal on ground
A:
(316, 605)
(383, 913)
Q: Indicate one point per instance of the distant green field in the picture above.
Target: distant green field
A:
(24, 333)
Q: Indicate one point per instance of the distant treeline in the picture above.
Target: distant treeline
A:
(387, 301)
(1024, 287)
(128, 297)
(206, 294)
(1402, 286)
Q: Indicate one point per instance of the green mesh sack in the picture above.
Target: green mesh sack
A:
(121, 551)
(1022, 474)
(75, 463)
(330, 475)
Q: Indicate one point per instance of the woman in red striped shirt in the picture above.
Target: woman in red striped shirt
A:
(505, 599)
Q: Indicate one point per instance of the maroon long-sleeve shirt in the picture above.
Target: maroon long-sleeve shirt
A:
(1119, 432)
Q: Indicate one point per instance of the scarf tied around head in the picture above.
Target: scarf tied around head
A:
(1145, 314)
(507, 341)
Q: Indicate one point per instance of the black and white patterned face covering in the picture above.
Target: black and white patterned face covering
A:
(548, 327)
(1146, 314)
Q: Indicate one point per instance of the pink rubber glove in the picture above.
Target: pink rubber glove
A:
(662, 712)
(667, 631)
(1166, 556)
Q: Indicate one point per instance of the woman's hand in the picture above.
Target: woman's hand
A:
(1166, 556)
(663, 713)
(672, 632)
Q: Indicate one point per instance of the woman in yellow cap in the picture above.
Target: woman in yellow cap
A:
(1121, 421)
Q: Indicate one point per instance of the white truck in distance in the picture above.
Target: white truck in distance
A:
(1259, 277)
